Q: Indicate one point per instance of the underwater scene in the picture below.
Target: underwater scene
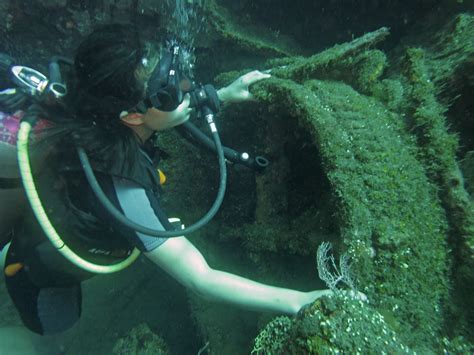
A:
(237, 177)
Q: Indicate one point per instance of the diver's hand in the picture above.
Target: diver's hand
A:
(160, 120)
(357, 295)
(182, 112)
(238, 91)
(311, 296)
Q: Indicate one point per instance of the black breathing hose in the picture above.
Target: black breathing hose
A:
(190, 131)
(117, 215)
(55, 70)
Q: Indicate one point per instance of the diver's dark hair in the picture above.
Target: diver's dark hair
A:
(103, 84)
(105, 65)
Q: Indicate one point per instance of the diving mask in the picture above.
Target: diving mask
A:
(168, 84)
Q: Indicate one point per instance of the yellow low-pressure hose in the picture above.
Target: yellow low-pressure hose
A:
(40, 213)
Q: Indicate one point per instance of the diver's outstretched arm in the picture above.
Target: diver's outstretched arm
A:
(238, 90)
(183, 261)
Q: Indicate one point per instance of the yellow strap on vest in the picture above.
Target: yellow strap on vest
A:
(12, 269)
(162, 177)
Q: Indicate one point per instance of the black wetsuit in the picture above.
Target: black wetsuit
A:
(46, 290)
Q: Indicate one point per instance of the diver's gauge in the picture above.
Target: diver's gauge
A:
(35, 83)
(30, 79)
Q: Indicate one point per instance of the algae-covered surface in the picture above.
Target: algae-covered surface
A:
(362, 155)
(384, 145)
(369, 135)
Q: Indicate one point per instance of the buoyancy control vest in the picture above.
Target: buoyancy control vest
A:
(82, 222)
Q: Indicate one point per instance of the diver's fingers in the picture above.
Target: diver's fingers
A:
(184, 104)
(250, 96)
(260, 76)
(253, 77)
(187, 100)
(357, 295)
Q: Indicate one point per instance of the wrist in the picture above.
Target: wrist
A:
(300, 300)
(309, 297)
(223, 94)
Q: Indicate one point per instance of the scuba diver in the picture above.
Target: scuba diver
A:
(99, 151)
